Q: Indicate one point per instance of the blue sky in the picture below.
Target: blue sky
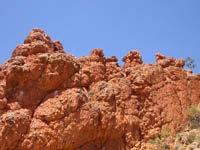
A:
(171, 27)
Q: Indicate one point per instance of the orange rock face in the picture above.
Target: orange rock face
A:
(50, 100)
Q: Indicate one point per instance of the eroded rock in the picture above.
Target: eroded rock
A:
(51, 100)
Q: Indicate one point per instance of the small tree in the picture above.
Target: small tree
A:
(189, 62)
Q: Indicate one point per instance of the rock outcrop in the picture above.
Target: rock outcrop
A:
(50, 100)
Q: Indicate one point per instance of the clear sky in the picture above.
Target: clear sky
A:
(171, 27)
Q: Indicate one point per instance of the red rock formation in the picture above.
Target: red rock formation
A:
(50, 100)
(132, 59)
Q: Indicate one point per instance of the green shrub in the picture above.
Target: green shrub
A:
(28, 39)
(191, 137)
(151, 141)
(189, 62)
(177, 148)
(193, 111)
(158, 141)
(165, 132)
(194, 114)
(176, 120)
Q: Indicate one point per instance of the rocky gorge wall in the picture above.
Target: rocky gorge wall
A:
(50, 100)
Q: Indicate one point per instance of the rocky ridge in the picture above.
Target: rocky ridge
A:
(50, 100)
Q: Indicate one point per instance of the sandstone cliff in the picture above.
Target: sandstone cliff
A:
(50, 100)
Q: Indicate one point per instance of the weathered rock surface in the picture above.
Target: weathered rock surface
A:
(50, 100)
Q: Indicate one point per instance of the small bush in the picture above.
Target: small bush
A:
(191, 137)
(128, 81)
(176, 120)
(177, 148)
(189, 62)
(165, 132)
(94, 106)
(194, 114)
(193, 111)
(158, 141)
(159, 145)
(151, 141)
(28, 39)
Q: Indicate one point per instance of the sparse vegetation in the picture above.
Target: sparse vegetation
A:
(184, 139)
(128, 81)
(165, 132)
(159, 144)
(194, 117)
(95, 106)
(176, 120)
(177, 148)
(151, 141)
(28, 39)
(191, 137)
(189, 63)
